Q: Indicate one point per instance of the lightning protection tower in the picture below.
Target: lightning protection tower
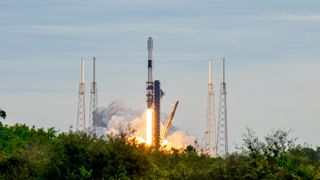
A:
(222, 136)
(210, 133)
(81, 116)
(93, 120)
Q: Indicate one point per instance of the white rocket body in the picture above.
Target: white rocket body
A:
(150, 89)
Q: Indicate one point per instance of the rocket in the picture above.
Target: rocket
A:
(149, 85)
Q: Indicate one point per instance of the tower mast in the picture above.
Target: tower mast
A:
(210, 137)
(94, 102)
(222, 137)
(81, 115)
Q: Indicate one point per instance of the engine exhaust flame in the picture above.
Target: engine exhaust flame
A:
(149, 126)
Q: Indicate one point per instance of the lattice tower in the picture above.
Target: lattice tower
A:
(93, 115)
(222, 136)
(81, 115)
(210, 133)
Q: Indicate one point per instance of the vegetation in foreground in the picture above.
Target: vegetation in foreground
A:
(3, 114)
(30, 153)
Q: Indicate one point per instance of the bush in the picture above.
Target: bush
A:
(30, 153)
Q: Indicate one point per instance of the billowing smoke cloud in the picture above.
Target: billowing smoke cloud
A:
(117, 118)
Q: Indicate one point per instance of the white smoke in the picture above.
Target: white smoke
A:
(117, 118)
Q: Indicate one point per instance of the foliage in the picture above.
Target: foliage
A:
(3, 114)
(30, 153)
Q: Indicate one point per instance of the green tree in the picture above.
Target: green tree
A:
(3, 114)
(31, 153)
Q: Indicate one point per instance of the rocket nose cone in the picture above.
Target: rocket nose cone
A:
(150, 43)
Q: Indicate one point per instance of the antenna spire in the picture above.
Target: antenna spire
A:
(94, 69)
(223, 70)
(210, 71)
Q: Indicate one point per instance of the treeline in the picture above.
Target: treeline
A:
(30, 153)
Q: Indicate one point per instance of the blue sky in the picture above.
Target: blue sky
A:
(271, 48)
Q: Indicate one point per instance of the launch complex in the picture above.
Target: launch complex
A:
(216, 133)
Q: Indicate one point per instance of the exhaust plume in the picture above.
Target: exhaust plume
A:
(116, 118)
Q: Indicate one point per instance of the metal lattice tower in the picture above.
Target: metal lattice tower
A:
(93, 120)
(210, 133)
(156, 119)
(81, 116)
(222, 136)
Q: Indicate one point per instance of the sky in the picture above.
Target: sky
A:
(271, 50)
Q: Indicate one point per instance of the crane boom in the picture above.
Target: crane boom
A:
(169, 121)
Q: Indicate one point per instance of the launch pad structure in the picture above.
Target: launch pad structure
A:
(93, 114)
(81, 115)
(210, 133)
(153, 95)
(168, 122)
(222, 135)
(81, 125)
(216, 133)
(156, 122)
